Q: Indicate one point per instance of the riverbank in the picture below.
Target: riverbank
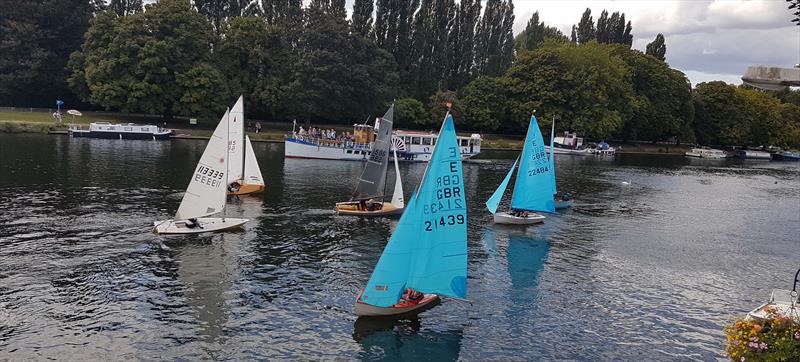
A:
(41, 122)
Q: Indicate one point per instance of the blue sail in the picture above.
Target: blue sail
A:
(552, 159)
(428, 250)
(494, 201)
(533, 189)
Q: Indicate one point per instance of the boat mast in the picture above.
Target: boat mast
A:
(227, 161)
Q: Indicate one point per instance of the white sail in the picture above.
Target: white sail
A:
(207, 188)
(236, 141)
(252, 173)
(397, 197)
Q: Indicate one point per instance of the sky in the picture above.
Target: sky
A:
(707, 40)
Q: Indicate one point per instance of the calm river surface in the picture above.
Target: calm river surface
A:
(649, 271)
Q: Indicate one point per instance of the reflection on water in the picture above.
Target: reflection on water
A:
(386, 339)
(652, 270)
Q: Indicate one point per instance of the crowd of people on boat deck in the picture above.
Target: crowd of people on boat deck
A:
(345, 138)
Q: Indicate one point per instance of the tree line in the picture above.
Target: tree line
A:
(180, 57)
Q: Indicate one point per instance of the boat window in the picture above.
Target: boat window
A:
(349, 152)
(415, 141)
(130, 129)
(433, 141)
(464, 142)
(426, 141)
(145, 129)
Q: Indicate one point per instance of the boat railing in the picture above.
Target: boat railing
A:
(326, 142)
(77, 127)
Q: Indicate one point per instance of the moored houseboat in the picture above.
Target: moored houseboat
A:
(126, 131)
(706, 153)
(753, 155)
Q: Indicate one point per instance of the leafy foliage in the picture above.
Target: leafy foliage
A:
(657, 48)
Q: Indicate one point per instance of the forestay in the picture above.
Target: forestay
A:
(207, 189)
(428, 250)
(494, 201)
(533, 189)
(252, 173)
(373, 178)
(235, 141)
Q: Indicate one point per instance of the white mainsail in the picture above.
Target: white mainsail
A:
(252, 173)
(236, 141)
(397, 196)
(207, 190)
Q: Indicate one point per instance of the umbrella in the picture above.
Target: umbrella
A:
(75, 112)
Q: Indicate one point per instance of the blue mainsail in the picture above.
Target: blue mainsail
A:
(553, 160)
(494, 201)
(428, 250)
(533, 189)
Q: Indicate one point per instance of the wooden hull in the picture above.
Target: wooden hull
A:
(248, 189)
(508, 219)
(207, 224)
(351, 208)
(397, 310)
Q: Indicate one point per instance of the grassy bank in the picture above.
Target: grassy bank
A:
(42, 122)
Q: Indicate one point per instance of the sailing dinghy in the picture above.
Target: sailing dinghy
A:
(426, 256)
(206, 193)
(533, 189)
(367, 199)
(243, 167)
(561, 201)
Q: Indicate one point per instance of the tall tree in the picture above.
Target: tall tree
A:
(171, 72)
(362, 17)
(657, 48)
(585, 29)
(494, 44)
(36, 39)
(627, 37)
(603, 30)
(125, 7)
(573, 36)
(536, 33)
(462, 43)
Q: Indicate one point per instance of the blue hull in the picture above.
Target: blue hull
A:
(561, 204)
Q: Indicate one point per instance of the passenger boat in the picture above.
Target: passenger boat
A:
(426, 256)
(706, 153)
(127, 131)
(206, 193)
(786, 156)
(782, 303)
(367, 199)
(753, 155)
(410, 145)
(534, 187)
(571, 144)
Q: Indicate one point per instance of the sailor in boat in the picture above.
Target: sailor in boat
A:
(234, 187)
(193, 223)
(410, 297)
(519, 213)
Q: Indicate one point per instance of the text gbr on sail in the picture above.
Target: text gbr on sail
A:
(449, 199)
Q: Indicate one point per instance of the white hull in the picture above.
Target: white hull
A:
(206, 224)
(508, 219)
(568, 151)
(706, 153)
(294, 148)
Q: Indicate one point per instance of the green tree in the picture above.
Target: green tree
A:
(36, 39)
(536, 33)
(338, 75)
(585, 29)
(144, 62)
(409, 113)
(362, 17)
(485, 104)
(494, 43)
(717, 110)
(657, 48)
(438, 105)
(462, 43)
(125, 7)
(252, 47)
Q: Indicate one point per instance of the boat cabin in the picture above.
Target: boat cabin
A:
(569, 140)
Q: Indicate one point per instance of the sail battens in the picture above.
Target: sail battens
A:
(373, 177)
(428, 250)
(206, 188)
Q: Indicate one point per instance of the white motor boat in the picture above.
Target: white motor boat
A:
(706, 153)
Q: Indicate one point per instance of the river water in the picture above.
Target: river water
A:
(648, 271)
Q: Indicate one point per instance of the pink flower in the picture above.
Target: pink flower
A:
(797, 336)
(742, 359)
(763, 346)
